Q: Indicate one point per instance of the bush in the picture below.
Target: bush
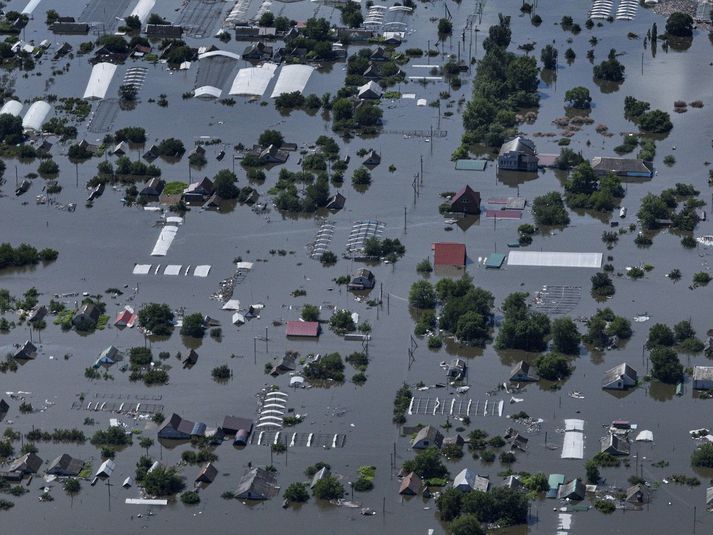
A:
(363, 485)
(296, 492)
(156, 318)
(221, 372)
(427, 464)
(163, 481)
(553, 367)
(703, 456)
(190, 497)
(422, 295)
(310, 313)
(193, 326)
(328, 488)
(549, 210)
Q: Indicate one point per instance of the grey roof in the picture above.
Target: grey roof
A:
(618, 372)
(65, 465)
(465, 479)
(703, 373)
(482, 483)
(177, 424)
(321, 474)
(257, 484)
(207, 474)
(574, 490)
(430, 434)
(638, 494)
(709, 496)
(232, 424)
(363, 272)
(615, 445)
(519, 144)
(522, 369)
(28, 463)
(619, 165)
(513, 482)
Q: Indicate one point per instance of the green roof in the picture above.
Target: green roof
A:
(495, 260)
(555, 480)
(471, 165)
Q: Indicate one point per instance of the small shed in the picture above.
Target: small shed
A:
(427, 437)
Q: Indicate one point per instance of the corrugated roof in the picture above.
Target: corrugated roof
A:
(555, 259)
(303, 328)
(449, 254)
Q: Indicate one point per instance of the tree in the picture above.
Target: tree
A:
(351, 14)
(146, 443)
(565, 336)
(549, 209)
(578, 97)
(190, 497)
(342, 110)
(568, 159)
(171, 147)
(162, 481)
(553, 367)
(422, 295)
(500, 505)
(310, 313)
(549, 57)
(610, 69)
(522, 328)
(267, 19)
(427, 464)
(368, 115)
(224, 184)
(133, 22)
(155, 18)
(679, 25)
(361, 176)
(342, 321)
(652, 209)
(660, 335)
(328, 488)
(48, 168)
(445, 27)
(665, 365)
(602, 285)
(592, 471)
(113, 43)
(703, 456)
(156, 318)
(449, 504)
(271, 137)
(655, 121)
(193, 325)
(10, 129)
(683, 331)
(466, 525)
(72, 486)
(472, 327)
(296, 492)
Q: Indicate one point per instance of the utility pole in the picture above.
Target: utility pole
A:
(405, 230)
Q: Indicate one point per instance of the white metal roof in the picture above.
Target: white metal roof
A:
(292, 78)
(143, 8)
(165, 239)
(36, 115)
(224, 53)
(573, 447)
(253, 80)
(173, 269)
(554, 259)
(574, 424)
(142, 269)
(232, 304)
(207, 91)
(99, 80)
(201, 271)
(30, 7)
(12, 107)
(645, 436)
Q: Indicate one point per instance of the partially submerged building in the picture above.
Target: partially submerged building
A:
(26, 351)
(614, 444)
(362, 279)
(703, 377)
(65, 466)
(178, 428)
(518, 154)
(449, 254)
(257, 484)
(574, 490)
(207, 474)
(465, 201)
(303, 329)
(620, 377)
(630, 167)
(27, 464)
(427, 437)
(638, 494)
(411, 485)
(523, 373)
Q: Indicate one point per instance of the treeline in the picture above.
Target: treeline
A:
(24, 255)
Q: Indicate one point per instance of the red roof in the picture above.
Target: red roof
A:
(465, 190)
(125, 317)
(449, 254)
(302, 328)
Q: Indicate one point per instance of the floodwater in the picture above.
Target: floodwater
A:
(99, 247)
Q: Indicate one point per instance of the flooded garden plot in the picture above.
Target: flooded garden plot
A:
(99, 245)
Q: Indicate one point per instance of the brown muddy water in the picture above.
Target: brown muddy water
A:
(99, 247)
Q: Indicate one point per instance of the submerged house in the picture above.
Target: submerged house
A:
(179, 428)
(336, 202)
(638, 494)
(518, 154)
(257, 484)
(465, 480)
(523, 373)
(614, 444)
(370, 91)
(27, 464)
(465, 201)
(574, 490)
(319, 476)
(107, 357)
(207, 474)
(411, 485)
(449, 254)
(372, 159)
(153, 189)
(273, 155)
(65, 466)
(620, 377)
(198, 192)
(26, 351)
(87, 316)
(303, 329)
(427, 437)
(362, 279)
(630, 167)
(703, 377)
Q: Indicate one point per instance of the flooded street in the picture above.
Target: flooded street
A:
(100, 245)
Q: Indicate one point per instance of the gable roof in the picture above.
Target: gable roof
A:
(574, 490)
(518, 144)
(207, 474)
(257, 484)
(65, 465)
(618, 372)
(411, 485)
(620, 165)
(430, 434)
(28, 463)
(465, 192)
(449, 254)
(522, 372)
